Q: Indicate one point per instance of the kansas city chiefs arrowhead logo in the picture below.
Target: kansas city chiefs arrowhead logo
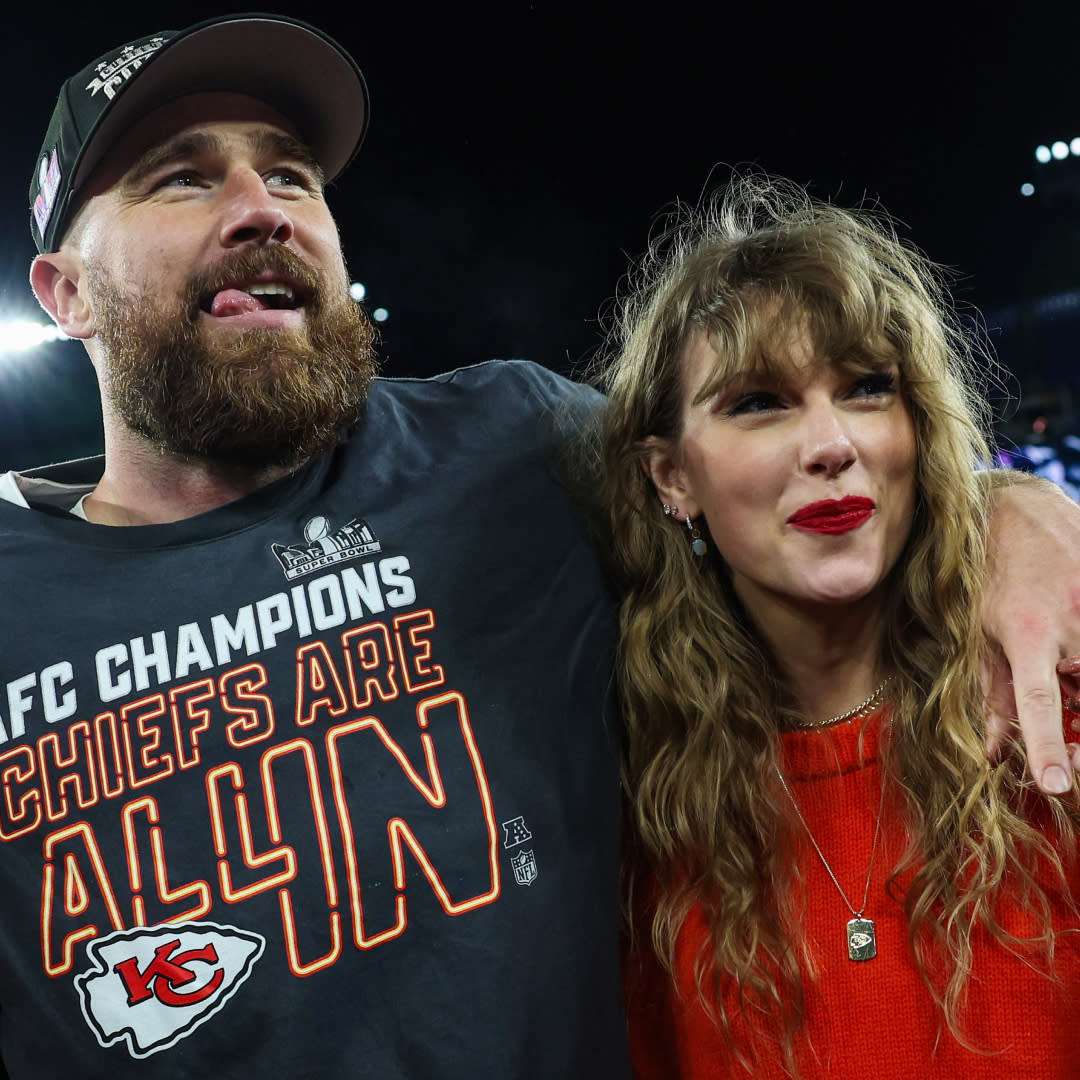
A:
(153, 986)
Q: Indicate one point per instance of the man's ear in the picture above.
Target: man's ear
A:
(55, 280)
(664, 468)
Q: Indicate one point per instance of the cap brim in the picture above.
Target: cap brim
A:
(296, 69)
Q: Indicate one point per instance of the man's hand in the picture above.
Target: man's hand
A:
(1031, 613)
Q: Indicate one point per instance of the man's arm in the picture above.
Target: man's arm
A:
(1031, 612)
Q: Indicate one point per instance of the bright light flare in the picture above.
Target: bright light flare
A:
(20, 335)
(357, 290)
(1027, 190)
(1074, 147)
(1042, 154)
(1060, 150)
(380, 314)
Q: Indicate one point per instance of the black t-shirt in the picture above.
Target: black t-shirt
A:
(321, 783)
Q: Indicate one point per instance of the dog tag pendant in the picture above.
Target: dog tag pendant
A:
(861, 940)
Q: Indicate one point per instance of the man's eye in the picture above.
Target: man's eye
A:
(287, 178)
(186, 178)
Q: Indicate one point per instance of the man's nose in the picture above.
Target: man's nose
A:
(252, 214)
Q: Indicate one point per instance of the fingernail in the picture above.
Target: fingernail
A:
(1055, 780)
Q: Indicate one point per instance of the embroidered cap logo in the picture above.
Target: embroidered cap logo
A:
(113, 74)
(48, 186)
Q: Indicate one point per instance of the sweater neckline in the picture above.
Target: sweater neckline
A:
(816, 753)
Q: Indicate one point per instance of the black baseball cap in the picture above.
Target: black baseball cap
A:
(293, 67)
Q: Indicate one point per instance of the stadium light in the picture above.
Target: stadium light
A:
(1042, 154)
(1060, 150)
(19, 335)
(380, 314)
(1027, 189)
(357, 290)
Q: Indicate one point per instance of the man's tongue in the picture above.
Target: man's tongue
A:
(235, 302)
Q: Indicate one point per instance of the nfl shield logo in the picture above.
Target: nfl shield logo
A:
(524, 864)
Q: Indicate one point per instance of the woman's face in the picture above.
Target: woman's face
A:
(806, 480)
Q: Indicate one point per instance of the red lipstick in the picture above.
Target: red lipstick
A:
(833, 515)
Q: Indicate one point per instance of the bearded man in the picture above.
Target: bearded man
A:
(308, 769)
(310, 766)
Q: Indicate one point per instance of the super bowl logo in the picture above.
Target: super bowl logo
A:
(48, 185)
(323, 546)
(112, 75)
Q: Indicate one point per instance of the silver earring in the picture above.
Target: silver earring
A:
(670, 511)
(697, 545)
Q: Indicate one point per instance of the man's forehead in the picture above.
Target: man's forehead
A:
(186, 119)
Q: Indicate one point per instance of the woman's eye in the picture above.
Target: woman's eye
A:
(878, 384)
(758, 401)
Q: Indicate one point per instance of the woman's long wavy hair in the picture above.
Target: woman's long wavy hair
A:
(704, 700)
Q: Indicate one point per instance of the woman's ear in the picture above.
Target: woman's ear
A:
(55, 280)
(663, 466)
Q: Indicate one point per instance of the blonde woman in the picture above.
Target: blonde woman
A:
(825, 877)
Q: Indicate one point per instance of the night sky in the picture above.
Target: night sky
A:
(519, 154)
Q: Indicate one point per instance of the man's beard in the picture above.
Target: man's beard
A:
(253, 399)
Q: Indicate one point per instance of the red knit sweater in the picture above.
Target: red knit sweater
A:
(863, 1019)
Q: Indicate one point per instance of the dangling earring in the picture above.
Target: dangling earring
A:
(670, 511)
(697, 545)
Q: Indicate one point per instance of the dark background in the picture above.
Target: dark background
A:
(520, 152)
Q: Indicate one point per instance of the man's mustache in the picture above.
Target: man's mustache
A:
(245, 266)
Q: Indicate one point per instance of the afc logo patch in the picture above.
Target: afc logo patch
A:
(515, 832)
(153, 986)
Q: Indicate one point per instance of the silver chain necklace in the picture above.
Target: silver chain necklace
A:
(861, 937)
